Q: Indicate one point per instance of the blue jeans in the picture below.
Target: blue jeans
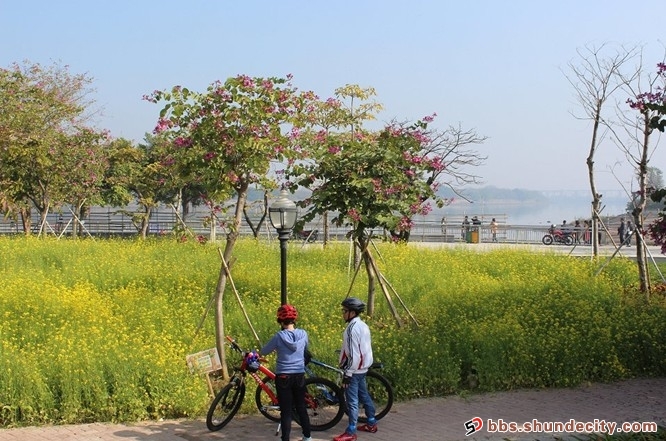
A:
(355, 393)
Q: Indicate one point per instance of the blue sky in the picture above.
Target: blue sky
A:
(493, 66)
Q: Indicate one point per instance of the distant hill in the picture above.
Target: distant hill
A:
(492, 193)
(477, 194)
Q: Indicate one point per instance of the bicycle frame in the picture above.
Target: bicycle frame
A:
(324, 365)
(228, 400)
(255, 376)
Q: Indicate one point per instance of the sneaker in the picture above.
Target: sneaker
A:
(309, 438)
(345, 437)
(372, 428)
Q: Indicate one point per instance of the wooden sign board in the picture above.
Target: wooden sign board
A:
(204, 362)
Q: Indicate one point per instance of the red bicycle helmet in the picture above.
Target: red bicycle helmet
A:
(286, 312)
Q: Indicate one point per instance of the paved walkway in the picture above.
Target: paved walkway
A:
(438, 419)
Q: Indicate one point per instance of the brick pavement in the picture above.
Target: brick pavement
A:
(437, 419)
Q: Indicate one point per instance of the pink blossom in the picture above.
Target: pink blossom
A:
(334, 149)
(246, 81)
(182, 142)
(150, 98)
(267, 85)
(233, 177)
(377, 184)
(354, 215)
(209, 156)
(335, 103)
(163, 124)
(437, 163)
(429, 118)
(295, 133)
(420, 137)
(359, 136)
(223, 93)
(405, 224)
(425, 209)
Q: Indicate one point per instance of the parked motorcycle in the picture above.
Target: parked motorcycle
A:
(556, 235)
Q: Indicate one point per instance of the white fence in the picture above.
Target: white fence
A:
(110, 222)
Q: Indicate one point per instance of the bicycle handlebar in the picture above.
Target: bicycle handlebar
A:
(235, 347)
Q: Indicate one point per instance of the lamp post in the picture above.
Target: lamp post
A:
(283, 213)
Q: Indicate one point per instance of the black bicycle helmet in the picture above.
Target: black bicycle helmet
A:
(354, 304)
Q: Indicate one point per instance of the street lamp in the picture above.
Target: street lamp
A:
(283, 213)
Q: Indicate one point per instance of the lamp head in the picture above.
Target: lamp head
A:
(283, 212)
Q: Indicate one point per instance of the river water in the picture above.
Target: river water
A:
(547, 213)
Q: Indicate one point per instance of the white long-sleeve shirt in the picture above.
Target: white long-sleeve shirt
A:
(356, 354)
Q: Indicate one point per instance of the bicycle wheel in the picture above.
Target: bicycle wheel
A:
(225, 405)
(381, 392)
(324, 402)
(265, 404)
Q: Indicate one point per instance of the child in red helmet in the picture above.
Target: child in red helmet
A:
(290, 344)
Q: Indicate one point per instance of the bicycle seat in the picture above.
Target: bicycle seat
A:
(377, 365)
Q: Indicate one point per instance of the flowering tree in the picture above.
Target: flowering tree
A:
(230, 135)
(372, 181)
(43, 116)
(83, 163)
(643, 93)
(655, 104)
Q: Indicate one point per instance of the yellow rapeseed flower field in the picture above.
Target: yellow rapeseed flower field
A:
(98, 330)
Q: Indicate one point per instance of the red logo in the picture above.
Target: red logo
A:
(473, 425)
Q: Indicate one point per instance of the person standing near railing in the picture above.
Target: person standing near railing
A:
(465, 228)
(627, 234)
(493, 229)
(621, 230)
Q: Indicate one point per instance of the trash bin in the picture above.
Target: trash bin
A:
(468, 236)
(474, 236)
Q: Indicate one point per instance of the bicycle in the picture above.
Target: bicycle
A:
(379, 388)
(324, 413)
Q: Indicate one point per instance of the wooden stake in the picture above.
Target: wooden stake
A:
(399, 299)
(240, 302)
(384, 290)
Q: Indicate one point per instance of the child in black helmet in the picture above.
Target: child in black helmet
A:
(290, 344)
(355, 359)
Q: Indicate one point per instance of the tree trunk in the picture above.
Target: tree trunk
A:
(364, 243)
(637, 212)
(596, 197)
(232, 237)
(145, 221)
(26, 220)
